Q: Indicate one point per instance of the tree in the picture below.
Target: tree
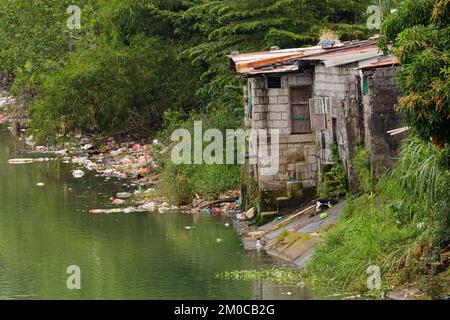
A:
(35, 40)
(419, 34)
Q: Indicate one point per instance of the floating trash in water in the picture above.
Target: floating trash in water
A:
(189, 228)
(124, 195)
(219, 240)
(78, 174)
(87, 147)
(118, 210)
(118, 202)
(287, 293)
(227, 224)
(151, 206)
(20, 161)
(40, 184)
(28, 160)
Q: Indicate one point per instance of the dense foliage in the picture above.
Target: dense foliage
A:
(401, 225)
(134, 60)
(74, 76)
(419, 32)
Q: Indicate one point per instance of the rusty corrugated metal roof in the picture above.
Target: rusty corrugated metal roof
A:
(270, 61)
(282, 61)
(351, 53)
(393, 61)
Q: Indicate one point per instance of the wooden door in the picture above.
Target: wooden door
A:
(300, 115)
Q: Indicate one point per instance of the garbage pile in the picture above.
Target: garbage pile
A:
(5, 102)
(228, 203)
(133, 161)
(128, 160)
(11, 111)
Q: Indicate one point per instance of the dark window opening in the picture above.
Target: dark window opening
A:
(274, 82)
(334, 123)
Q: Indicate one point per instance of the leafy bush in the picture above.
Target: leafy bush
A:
(399, 227)
(419, 35)
(112, 89)
(334, 182)
(363, 168)
(181, 183)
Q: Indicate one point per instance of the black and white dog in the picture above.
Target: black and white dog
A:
(325, 204)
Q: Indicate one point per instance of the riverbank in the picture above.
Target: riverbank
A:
(399, 225)
(45, 229)
(137, 163)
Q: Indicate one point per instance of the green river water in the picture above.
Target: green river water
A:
(43, 230)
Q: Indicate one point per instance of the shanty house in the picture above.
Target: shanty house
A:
(322, 98)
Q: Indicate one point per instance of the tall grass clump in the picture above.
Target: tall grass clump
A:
(362, 163)
(401, 226)
(181, 183)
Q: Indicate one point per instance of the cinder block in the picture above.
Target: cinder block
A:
(309, 183)
(274, 116)
(278, 108)
(305, 81)
(273, 99)
(283, 100)
(311, 159)
(301, 138)
(293, 80)
(278, 124)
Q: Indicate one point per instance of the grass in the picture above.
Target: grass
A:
(278, 275)
(181, 183)
(400, 226)
(399, 223)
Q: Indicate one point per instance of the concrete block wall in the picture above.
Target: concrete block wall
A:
(359, 118)
(340, 84)
(332, 82)
(380, 109)
(272, 110)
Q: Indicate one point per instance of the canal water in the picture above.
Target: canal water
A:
(44, 230)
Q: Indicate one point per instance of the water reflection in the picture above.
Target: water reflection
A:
(43, 230)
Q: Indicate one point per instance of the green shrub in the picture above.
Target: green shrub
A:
(181, 183)
(399, 227)
(334, 182)
(111, 89)
(363, 168)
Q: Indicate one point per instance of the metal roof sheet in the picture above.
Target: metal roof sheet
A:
(393, 61)
(281, 61)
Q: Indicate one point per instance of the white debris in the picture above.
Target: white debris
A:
(78, 174)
